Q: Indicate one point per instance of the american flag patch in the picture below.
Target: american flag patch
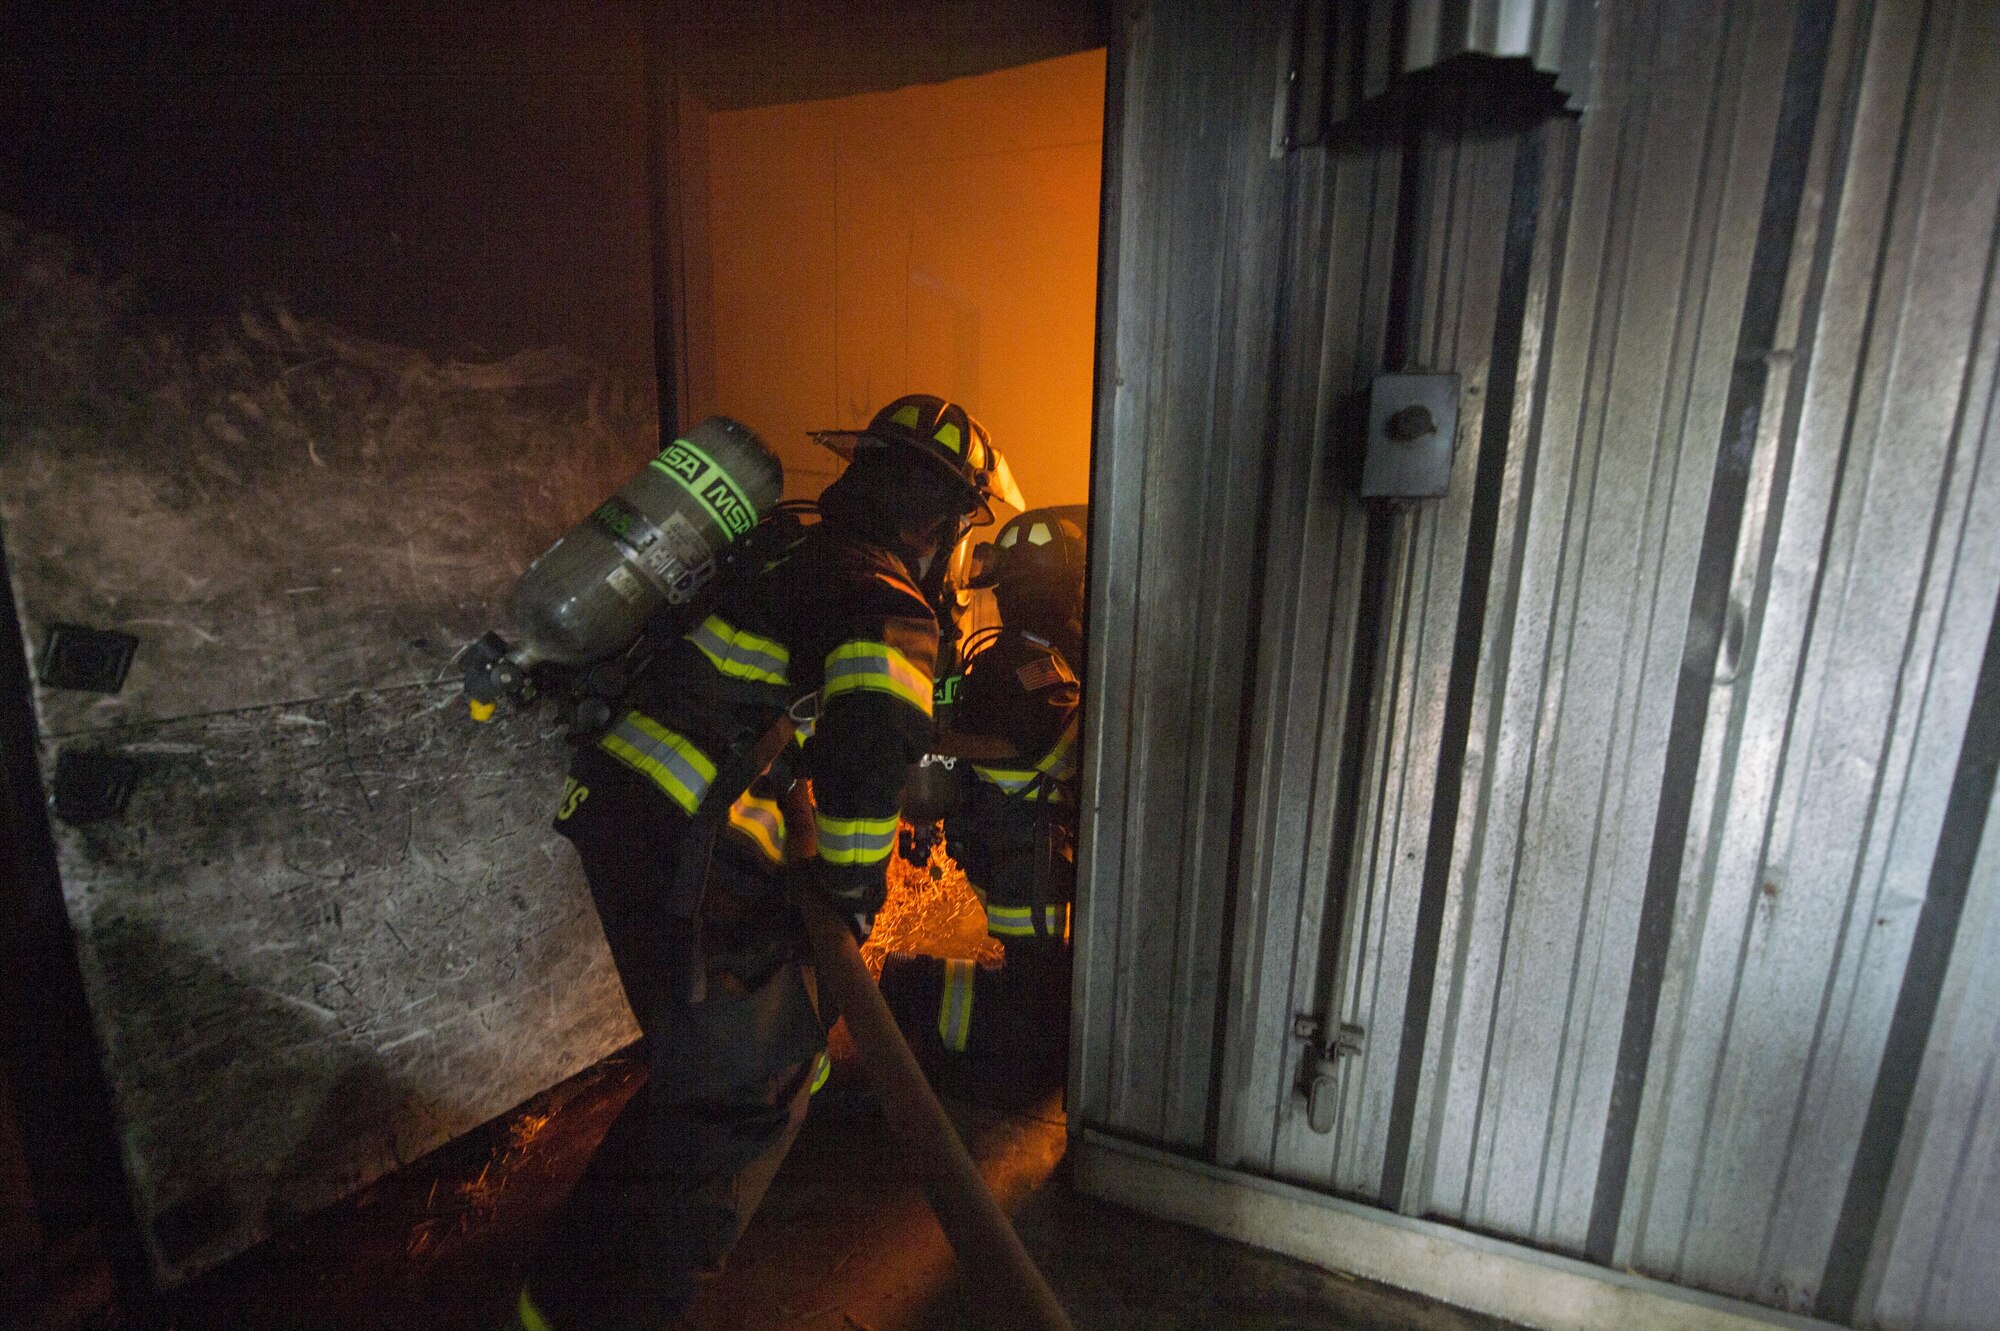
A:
(1041, 673)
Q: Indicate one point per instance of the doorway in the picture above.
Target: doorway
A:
(832, 255)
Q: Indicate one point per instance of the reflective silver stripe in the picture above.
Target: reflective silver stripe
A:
(955, 1008)
(855, 840)
(531, 1316)
(762, 822)
(1019, 921)
(855, 666)
(669, 760)
(1055, 765)
(738, 654)
(1012, 780)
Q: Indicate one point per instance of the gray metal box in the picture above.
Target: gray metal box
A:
(1412, 429)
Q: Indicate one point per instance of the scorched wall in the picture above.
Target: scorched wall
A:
(312, 332)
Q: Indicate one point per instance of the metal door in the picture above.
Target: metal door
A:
(1602, 818)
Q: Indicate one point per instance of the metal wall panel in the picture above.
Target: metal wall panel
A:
(1936, 1262)
(1363, 50)
(1191, 261)
(1865, 617)
(1465, 200)
(1310, 639)
(1630, 796)
(1935, 1236)
(1587, 639)
(1552, 35)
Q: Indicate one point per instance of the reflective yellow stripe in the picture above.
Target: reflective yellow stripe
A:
(531, 1316)
(855, 840)
(955, 1008)
(856, 666)
(763, 822)
(741, 655)
(1056, 764)
(1012, 780)
(1019, 921)
(669, 760)
(821, 1071)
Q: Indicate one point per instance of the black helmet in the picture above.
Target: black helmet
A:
(1043, 547)
(945, 436)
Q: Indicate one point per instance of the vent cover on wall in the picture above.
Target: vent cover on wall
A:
(92, 660)
(92, 785)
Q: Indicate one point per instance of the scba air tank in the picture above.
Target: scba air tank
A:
(652, 543)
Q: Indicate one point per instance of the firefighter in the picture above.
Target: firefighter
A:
(1012, 744)
(787, 717)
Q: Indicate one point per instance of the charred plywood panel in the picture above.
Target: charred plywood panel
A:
(278, 510)
(324, 938)
(333, 928)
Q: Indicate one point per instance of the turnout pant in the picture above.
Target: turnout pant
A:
(683, 1168)
(1004, 1029)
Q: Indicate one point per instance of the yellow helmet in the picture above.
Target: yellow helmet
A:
(946, 436)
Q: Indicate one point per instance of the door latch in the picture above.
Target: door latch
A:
(1318, 1082)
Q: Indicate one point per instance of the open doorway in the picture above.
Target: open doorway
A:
(940, 238)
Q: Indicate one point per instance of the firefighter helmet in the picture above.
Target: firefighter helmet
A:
(946, 436)
(1042, 547)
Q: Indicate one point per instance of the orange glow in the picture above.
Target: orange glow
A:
(470, 1203)
(887, 1274)
(932, 911)
(938, 239)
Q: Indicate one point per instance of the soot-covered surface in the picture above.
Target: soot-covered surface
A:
(333, 927)
(322, 939)
(276, 508)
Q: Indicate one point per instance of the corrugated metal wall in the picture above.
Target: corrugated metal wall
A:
(1864, 581)
(1183, 381)
(1626, 796)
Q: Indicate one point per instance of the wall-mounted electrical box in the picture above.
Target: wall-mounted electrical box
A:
(1412, 428)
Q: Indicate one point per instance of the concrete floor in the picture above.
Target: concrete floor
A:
(842, 1243)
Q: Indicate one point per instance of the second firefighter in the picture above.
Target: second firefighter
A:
(1010, 747)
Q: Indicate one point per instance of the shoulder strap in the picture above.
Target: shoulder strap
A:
(751, 754)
